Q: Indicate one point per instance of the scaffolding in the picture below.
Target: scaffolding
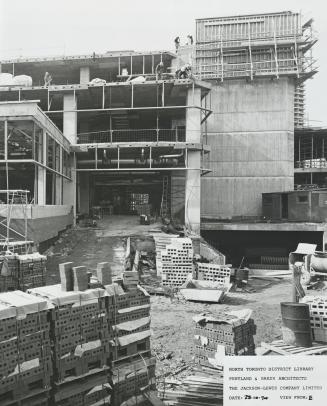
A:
(13, 237)
(255, 45)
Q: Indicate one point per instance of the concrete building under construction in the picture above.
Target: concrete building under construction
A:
(112, 130)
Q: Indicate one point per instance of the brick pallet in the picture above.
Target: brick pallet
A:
(133, 365)
(80, 330)
(25, 360)
(318, 317)
(231, 334)
(128, 380)
(79, 338)
(213, 273)
(22, 271)
(161, 241)
(177, 262)
(87, 390)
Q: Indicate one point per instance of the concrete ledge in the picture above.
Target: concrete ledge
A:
(35, 211)
(287, 226)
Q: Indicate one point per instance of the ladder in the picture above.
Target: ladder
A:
(164, 209)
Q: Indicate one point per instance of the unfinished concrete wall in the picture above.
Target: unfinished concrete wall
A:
(43, 228)
(251, 134)
(84, 192)
(177, 196)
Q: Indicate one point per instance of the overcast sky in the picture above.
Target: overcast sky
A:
(42, 27)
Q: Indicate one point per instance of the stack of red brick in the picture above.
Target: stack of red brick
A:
(224, 334)
(25, 350)
(133, 365)
(22, 271)
(81, 333)
(85, 342)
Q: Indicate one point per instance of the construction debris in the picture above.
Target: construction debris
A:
(204, 291)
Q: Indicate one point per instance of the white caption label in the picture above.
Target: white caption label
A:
(275, 380)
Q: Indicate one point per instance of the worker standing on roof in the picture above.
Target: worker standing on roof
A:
(177, 41)
(47, 79)
(159, 70)
(190, 39)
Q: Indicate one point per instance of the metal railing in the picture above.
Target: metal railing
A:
(129, 135)
(317, 163)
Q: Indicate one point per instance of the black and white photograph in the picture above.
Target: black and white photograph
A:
(163, 203)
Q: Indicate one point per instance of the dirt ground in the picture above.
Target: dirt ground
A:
(172, 324)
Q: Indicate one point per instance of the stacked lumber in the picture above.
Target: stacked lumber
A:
(22, 271)
(224, 334)
(200, 389)
(280, 348)
(25, 351)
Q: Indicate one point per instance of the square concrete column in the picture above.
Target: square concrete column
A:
(84, 75)
(70, 132)
(84, 192)
(70, 117)
(41, 185)
(193, 173)
(41, 172)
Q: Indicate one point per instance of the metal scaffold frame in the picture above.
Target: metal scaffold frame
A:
(10, 237)
(250, 46)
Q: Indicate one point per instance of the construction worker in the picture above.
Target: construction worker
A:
(190, 39)
(47, 79)
(184, 72)
(159, 70)
(177, 41)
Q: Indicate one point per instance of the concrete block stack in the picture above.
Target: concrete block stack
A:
(133, 365)
(224, 334)
(161, 241)
(76, 347)
(9, 273)
(213, 273)
(81, 330)
(177, 262)
(25, 350)
(137, 199)
(318, 317)
(22, 271)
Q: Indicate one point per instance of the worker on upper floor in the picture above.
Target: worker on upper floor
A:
(185, 72)
(177, 42)
(159, 70)
(190, 39)
(47, 79)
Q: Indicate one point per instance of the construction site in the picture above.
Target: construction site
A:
(159, 211)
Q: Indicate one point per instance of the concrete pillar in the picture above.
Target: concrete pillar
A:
(69, 187)
(84, 192)
(84, 75)
(41, 185)
(193, 174)
(70, 132)
(70, 117)
(41, 172)
(324, 241)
